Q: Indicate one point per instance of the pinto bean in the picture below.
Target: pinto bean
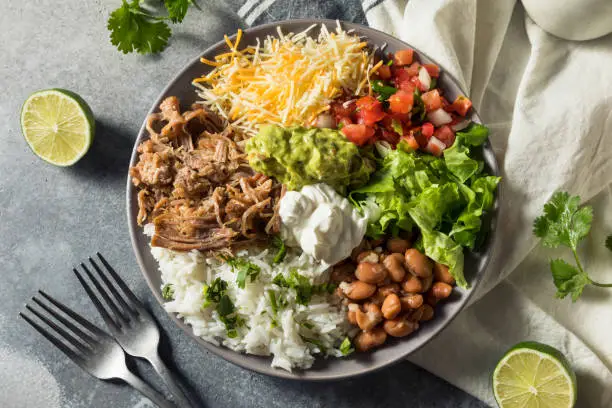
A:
(398, 245)
(370, 317)
(399, 327)
(358, 290)
(367, 340)
(395, 265)
(391, 306)
(411, 301)
(441, 290)
(441, 274)
(369, 272)
(417, 263)
(412, 284)
(367, 256)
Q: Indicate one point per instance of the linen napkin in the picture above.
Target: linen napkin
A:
(548, 103)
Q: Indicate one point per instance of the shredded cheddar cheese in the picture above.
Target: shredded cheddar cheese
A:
(285, 80)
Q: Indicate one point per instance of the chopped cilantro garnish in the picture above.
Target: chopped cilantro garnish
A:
(383, 90)
(279, 244)
(168, 291)
(346, 347)
(245, 269)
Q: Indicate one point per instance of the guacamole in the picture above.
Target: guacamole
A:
(298, 156)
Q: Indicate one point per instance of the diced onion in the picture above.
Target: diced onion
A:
(435, 146)
(424, 78)
(461, 125)
(325, 120)
(383, 147)
(439, 117)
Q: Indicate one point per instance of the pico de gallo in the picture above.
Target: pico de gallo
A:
(405, 104)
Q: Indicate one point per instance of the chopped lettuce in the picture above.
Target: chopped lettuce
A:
(445, 198)
(457, 157)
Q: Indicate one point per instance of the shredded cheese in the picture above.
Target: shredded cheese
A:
(285, 80)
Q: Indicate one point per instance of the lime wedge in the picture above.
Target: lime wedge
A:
(534, 375)
(58, 126)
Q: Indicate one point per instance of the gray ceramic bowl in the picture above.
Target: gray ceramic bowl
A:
(323, 369)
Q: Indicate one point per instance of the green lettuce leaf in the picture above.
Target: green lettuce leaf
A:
(441, 248)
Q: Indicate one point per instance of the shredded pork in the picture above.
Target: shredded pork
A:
(195, 184)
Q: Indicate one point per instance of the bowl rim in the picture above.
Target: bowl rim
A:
(235, 357)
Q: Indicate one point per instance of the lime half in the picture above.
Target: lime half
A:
(58, 125)
(534, 375)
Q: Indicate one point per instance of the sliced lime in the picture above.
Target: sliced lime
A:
(534, 375)
(58, 126)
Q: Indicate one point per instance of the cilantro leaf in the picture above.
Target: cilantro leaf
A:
(346, 347)
(563, 222)
(133, 29)
(568, 279)
(383, 90)
(177, 9)
(303, 289)
(217, 293)
(245, 269)
(168, 291)
(279, 244)
(609, 242)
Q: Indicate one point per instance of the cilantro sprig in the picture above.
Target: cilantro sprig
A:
(134, 28)
(566, 223)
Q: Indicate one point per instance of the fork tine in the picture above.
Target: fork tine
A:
(127, 308)
(119, 316)
(71, 326)
(56, 342)
(74, 342)
(135, 301)
(82, 321)
(110, 322)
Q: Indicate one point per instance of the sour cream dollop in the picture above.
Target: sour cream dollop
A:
(321, 222)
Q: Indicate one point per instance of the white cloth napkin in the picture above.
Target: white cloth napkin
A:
(548, 103)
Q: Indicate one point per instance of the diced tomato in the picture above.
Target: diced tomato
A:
(418, 136)
(358, 134)
(384, 72)
(400, 75)
(403, 57)
(407, 86)
(390, 137)
(427, 129)
(446, 135)
(368, 102)
(369, 110)
(413, 70)
(461, 105)
(400, 117)
(401, 102)
(432, 69)
(432, 100)
(411, 141)
(340, 109)
(369, 117)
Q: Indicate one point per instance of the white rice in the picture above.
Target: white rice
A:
(293, 335)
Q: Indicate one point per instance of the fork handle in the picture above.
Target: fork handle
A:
(146, 390)
(169, 378)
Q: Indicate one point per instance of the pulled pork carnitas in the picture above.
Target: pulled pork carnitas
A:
(195, 185)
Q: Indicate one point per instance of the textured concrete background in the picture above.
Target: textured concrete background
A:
(53, 218)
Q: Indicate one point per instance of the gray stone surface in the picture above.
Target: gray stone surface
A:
(53, 218)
